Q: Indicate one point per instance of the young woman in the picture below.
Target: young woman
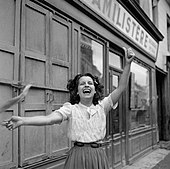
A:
(86, 114)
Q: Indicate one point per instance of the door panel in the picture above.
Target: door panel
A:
(60, 73)
(46, 65)
(34, 141)
(115, 138)
(36, 50)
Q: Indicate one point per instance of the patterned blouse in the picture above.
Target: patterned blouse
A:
(86, 124)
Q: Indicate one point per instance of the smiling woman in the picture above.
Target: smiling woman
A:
(87, 82)
(86, 114)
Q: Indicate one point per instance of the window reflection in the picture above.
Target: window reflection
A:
(115, 112)
(91, 56)
(139, 96)
(114, 60)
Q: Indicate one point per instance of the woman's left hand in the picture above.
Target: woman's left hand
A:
(129, 55)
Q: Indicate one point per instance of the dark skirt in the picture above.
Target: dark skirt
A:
(86, 157)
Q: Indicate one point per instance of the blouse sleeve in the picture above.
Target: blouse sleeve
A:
(107, 104)
(65, 110)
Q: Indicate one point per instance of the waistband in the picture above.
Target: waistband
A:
(90, 144)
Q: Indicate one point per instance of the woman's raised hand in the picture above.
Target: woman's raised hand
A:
(129, 55)
(14, 121)
(15, 100)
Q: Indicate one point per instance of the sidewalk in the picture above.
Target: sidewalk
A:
(153, 159)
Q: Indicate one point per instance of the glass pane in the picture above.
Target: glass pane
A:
(91, 56)
(139, 96)
(112, 126)
(115, 112)
(114, 60)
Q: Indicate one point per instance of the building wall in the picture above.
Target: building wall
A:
(163, 10)
(44, 51)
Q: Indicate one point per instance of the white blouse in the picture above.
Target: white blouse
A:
(86, 124)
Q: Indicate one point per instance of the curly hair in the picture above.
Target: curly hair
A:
(72, 86)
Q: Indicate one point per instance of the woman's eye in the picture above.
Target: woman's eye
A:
(90, 83)
(82, 83)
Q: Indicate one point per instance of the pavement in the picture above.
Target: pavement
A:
(157, 159)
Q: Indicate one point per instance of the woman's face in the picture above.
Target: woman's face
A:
(86, 88)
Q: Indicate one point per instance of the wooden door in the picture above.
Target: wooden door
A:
(45, 63)
(34, 70)
(59, 74)
(9, 86)
(115, 148)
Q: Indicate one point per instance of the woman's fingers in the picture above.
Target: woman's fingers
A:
(26, 89)
(25, 92)
(129, 54)
(8, 124)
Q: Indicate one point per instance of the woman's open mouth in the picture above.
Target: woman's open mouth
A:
(86, 91)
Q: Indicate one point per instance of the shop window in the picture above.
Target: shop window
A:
(91, 56)
(115, 114)
(115, 60)
(168, 33)
(113, 124)
(139, 97)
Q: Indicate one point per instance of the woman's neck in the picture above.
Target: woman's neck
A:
(86, 102)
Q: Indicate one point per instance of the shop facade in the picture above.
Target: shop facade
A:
(46, 43)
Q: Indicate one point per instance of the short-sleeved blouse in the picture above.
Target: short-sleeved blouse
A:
(81, 128)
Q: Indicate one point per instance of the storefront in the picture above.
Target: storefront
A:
(55, 40)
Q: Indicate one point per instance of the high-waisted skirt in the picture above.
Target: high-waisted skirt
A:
(86, 157)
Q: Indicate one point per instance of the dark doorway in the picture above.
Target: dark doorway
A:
(160, 82)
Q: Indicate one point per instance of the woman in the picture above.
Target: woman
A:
(86, 114)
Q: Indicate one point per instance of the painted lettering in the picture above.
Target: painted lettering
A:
(133, 27)
(96, 2)
(152, 43)
(137, 32)
(141, 37)
(128, 25)
(118, 18)
(107, 7)
(123, 22)
(114, 12)
(146, 41)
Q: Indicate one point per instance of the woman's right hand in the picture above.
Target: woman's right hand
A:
(13, 122)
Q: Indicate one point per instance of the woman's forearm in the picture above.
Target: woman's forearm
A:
(15, 100)
(9, 103)
(35, 121)
(53, 118)
(125, 77)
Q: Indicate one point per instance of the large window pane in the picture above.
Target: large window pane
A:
(91, 56)
(139, 96)
(115, 60)
(115, 112)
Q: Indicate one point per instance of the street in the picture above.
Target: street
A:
(164, 164)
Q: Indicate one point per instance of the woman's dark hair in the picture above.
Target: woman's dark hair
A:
(72, 86)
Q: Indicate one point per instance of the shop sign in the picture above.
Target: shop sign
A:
(117, 16)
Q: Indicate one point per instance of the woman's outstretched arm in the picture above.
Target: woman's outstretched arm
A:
(17, 121)
(129, 56)
(14, 100)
